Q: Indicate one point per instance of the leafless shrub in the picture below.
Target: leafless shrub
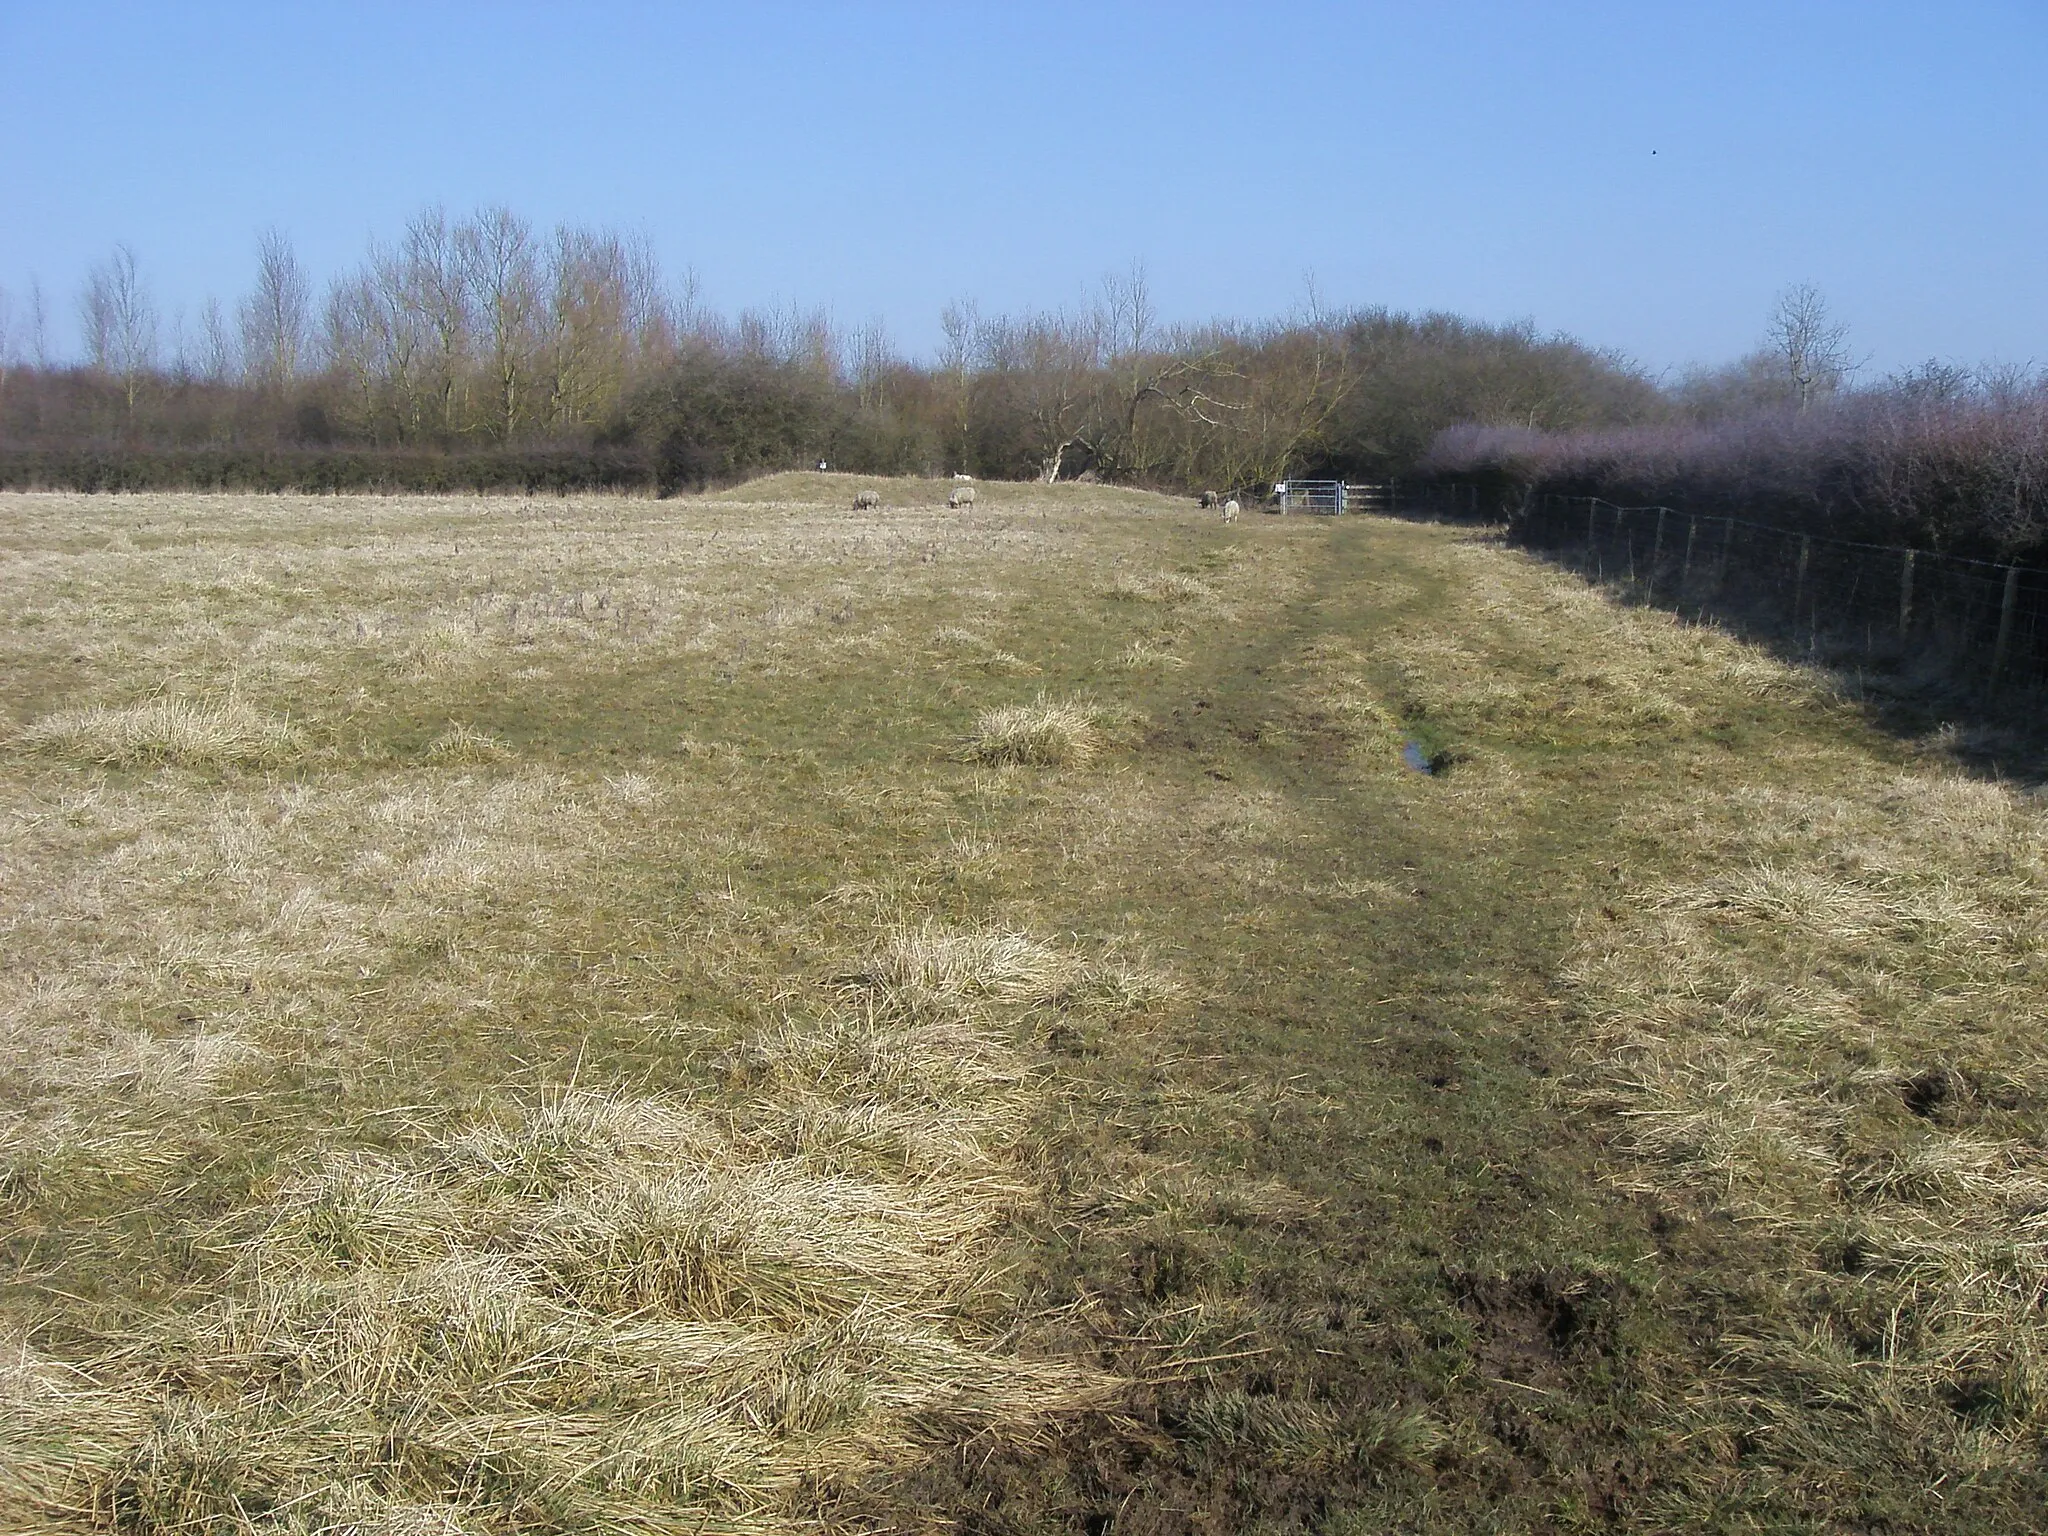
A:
(1923, 459)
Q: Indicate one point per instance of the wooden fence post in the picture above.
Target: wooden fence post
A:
(1657, 549)
(1906, 594)
(1692, 532)
(2006, 608)
(1799, 581)
(1721, 569)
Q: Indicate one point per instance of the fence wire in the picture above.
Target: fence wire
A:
(1838, 599)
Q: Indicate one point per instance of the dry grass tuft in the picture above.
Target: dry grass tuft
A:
(465, 746)
(194, 735)
(935, 961)
(1142, 652)
(978, 651)
(192, 1067)
(1046, 733)
(1169, 587)
(937, 965)
(1121, 986)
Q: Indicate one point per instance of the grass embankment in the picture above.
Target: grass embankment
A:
(608, 1014)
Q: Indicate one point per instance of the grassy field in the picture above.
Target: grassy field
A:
(741, 1015)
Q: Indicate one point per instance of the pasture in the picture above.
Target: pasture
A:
(738, 1014)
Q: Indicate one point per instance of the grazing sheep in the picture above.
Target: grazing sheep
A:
(1206, 500)
(1230, 510)
(866, 501)
(962, 497)
(963, 477)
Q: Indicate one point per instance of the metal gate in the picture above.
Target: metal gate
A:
(1333, 498)
(1325, 496)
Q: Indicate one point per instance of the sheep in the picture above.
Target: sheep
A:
(963, 477)
(1206, 500)
(1230, 510)
(963, 496)
(866, 501)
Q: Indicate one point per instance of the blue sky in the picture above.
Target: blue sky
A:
(1645, 176)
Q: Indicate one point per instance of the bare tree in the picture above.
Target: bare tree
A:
(220, 358)
(594, 313)
(1153, 391)
(438, 296)
(1125, 317)
(403, 338)
(1183, 396)
(1808, 342)
(792, 336)
(1129, 315)
(1934, 382)
(1047, 364)
(1252, 402)
(1289, 381)
(120, 322)
(808, 339)
(96, 319)
(658, 319)
(355, 354)
(182, 367)
(960, 320)
(499, 267)
(38, 326)
(276, 318)
(10, 334)
(871, 360)
(378, 341)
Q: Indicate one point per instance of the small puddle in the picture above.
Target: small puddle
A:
(1413, 755)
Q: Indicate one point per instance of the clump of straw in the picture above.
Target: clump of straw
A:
(1046, 733)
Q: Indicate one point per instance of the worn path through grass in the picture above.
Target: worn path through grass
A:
(1370, 1187)
(1345, 1173)
(736, 1014)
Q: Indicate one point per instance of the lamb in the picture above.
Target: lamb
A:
(1230, 510)
(963, 496)
(866, 501)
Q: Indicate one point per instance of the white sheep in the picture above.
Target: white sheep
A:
(1230, 510)
(963, 477)
(866, 501)
(963, 496)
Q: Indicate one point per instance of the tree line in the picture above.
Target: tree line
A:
(478, 350)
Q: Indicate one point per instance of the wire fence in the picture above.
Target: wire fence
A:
(1838, 600)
